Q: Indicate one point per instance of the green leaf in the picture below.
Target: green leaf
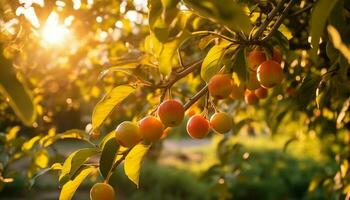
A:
(318, 20)
(74, 162)
(108, 156)
(133, 160)
(307, 90)
(19, 97)
(108, 103)
(166, 56)
(161, 15)
(225, 12)
(210, 65)
(71, 186)
(240, 65)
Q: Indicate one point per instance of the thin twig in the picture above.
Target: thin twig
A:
(195, 98)
(268, 19)
(279, 20)
(215, 33)
(306, 8)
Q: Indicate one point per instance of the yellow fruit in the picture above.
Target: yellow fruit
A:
(221, 122)
(102, 191)
(127, 134)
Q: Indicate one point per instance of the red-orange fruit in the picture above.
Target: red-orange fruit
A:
(127, 134)
(198, 127)
(220, 86)
(261, 93)
(270, 74)
(102, 191)
(221, 122)
(237, 91)
(255, 58)
(253, 82)
(171, 113)
(250, 98)
(151, 128)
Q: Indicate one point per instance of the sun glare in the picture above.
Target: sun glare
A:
(53, 32)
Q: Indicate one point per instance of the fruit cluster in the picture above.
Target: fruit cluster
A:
(171, 113)
(264, 73)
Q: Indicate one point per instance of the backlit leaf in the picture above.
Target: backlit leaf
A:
(71, 186)
(18, 96)
(318, 20)
(108, 103)
(210, 65)
(74, 162)
(133, 160)
(226, 12)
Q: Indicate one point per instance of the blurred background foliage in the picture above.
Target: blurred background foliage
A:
(65, 55)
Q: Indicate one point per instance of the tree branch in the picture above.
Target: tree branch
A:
(267, 21)
(195, 98)
(279, 20)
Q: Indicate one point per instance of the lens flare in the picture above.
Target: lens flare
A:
(54, 32)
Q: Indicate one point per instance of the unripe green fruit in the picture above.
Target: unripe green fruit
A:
(270, 74)
(127, 134)
(198, 127)
(220, 86)
(250, 98)
(102, 191)
(221, 122)
(261, 93)
(151, 129)
(171, 113)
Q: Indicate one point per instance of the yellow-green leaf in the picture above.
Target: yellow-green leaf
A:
(74, 162)
(338, 43)
(19, 97)
(12, 134)
(210, 65)
(166, 57)
(133, 160)
(30, 143)
(318, 21)
(71, 186)
(225, 12)
(108, 103)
